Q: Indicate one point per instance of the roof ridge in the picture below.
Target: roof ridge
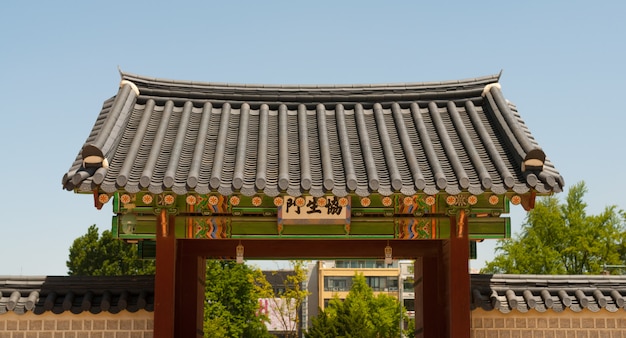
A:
(468, 82)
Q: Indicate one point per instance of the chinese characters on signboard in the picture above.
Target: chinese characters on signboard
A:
(315, 209)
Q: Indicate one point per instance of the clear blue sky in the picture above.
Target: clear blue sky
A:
(563, 65)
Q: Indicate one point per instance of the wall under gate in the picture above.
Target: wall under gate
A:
(549, 324)
(85, 325)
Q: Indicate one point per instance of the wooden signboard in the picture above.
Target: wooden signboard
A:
(314, 210)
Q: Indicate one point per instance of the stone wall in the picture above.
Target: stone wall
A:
(85, 325)
(549, 324)
(485, 324)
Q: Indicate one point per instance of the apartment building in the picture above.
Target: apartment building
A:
(335, 278)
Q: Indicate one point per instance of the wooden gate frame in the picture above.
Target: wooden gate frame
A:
(441, 269)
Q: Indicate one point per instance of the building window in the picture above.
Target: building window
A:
(378, 283)
(407, 285)
(409, 304)
(337, 283)
(392, 283)
(375, 283)
(359, 264)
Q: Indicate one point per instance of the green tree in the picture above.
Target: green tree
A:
(232, 290)
(232, 300)
(288, 303)
(325, 325)
(95, 255)
(560, 238)
(361, 314)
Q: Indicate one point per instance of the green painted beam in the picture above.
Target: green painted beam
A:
(137, 227)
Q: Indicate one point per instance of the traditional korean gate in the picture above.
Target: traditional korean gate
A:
(411, 171)
(435, 231)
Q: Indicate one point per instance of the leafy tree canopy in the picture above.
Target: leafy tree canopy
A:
(232, 290)
(232, 300)
(561, 238)
(95, 255)
(361, 314)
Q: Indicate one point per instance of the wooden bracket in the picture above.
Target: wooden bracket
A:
(461, 225)
(528, 200)
(96, 200)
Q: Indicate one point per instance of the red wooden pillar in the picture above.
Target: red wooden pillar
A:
(190, 281)
(430, 296)
(456, 261)
(165, 279)
(418, 291)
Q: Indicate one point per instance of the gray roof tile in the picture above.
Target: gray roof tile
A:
(418, 137)
(507, 293)
(58, 294)
(504, 293)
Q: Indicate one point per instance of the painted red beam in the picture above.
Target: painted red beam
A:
(310, 248)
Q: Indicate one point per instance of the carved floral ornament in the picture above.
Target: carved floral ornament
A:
(166, 199)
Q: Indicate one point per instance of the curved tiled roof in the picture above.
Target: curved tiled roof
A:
(504, 293)
(59, 294)
(161, 135)
(507, 293)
